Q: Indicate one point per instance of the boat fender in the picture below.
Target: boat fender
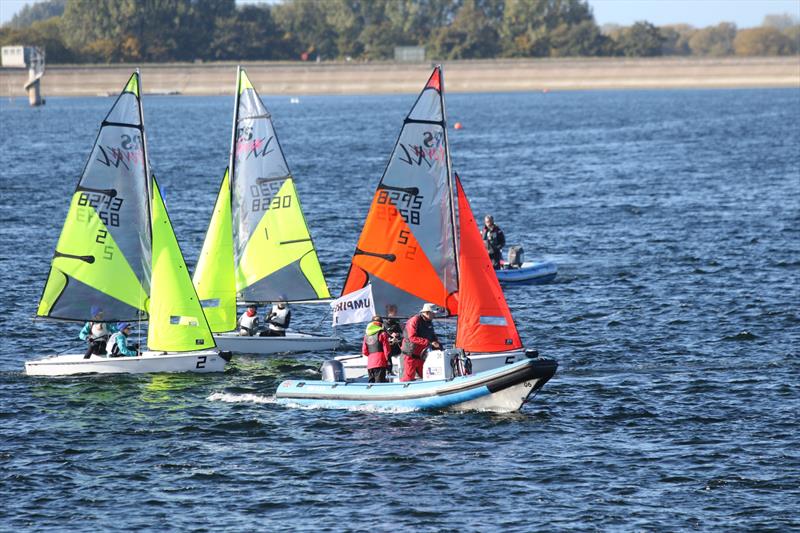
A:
(532, 353)
(332, 370)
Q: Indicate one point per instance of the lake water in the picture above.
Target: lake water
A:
(674, 217)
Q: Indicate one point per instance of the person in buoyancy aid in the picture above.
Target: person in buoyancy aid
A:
(494, 239)
(278, 320)
(376, 348)
(418, 336)
(118, 343)
(96, 334)
(248, 322)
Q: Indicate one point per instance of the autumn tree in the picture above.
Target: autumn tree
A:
(764, 41)
(713, 40)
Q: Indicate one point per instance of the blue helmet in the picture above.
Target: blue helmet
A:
(122, 325)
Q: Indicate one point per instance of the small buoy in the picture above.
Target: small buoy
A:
(545, 90)
(457, 125)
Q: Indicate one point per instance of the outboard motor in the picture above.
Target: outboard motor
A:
(332, 370)
(515, 256)
(531, 353)
(459, 362)
(437, 366)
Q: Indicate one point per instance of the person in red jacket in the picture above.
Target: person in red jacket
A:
(376, 348)
(418, 336)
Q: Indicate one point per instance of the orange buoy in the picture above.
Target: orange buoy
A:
(457, 126)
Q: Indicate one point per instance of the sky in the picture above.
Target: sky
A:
(698, 13)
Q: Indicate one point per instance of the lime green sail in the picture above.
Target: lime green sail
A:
(102, 259)
(280, 250)
(177, 322)
(96, 263)
(274, 255)
(213, 276)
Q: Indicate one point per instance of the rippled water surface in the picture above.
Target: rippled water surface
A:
(674, 218)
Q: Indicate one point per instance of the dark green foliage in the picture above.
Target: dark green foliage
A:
(641, 40)
(187, 30)
(37, 12)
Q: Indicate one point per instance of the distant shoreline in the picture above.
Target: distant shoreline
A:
(303, 78)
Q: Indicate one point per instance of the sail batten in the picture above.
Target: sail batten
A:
(407, 245)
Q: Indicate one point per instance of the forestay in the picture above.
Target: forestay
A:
(407, 246)
(485, 323)
(102, 259)
(274, 256)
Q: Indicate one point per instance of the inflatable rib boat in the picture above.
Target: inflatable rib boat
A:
(528, 272)
(503, 389)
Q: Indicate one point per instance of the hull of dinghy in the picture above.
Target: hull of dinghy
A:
(503, 389)
(148, 362)
(529, 272)
(292, 342)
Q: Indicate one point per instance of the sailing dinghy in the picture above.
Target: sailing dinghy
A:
(258, 248)
(118, 253)
(411, 253)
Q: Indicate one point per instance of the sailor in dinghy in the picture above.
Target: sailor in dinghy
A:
(117, 252)
(258, 248)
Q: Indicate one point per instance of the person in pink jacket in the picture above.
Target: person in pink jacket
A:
(376, 348)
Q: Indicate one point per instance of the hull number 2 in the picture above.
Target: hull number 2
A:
(201, 361)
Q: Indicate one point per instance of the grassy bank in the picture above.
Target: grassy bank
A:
(461, 76)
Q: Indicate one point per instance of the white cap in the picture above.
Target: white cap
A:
(428, 308)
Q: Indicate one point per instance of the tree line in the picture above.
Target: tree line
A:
(111, 31)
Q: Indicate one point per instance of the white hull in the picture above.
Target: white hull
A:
(292, 342)
(71, 364)
(505, 401)
(355, 365)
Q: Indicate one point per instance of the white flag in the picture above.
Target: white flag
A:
(354, 307)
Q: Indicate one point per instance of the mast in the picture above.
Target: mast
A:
(232, 155)
(147, 170)
(449, 173)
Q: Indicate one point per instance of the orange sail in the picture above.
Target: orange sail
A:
(485, 323)
(407, 247)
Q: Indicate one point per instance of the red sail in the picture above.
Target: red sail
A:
(484, 319)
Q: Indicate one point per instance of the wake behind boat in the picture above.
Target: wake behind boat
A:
(117, 257)
(502, 389)
(258, 247)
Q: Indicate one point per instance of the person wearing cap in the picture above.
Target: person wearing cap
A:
(376, 348)
(395, 332)
(278, 320)
(96, 333)
(418, 336)
(248, 322)
(118, 343)
(494, 239)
